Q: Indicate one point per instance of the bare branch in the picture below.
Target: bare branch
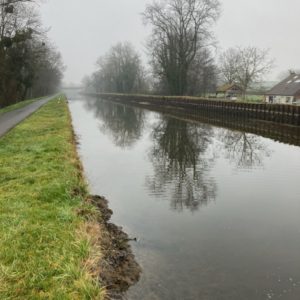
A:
(180, 29)
(245, 66)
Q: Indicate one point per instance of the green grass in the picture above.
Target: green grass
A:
(43, 249)
(249, 98)
(17, 105)
(252, 99)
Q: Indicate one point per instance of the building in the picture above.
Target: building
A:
(230, 91)
(285, 92)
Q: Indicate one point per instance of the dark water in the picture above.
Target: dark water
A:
(216, 212)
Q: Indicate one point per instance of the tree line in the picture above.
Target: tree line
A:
(30, 66)
(182, 55)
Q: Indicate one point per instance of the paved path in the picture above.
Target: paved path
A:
(10, 119)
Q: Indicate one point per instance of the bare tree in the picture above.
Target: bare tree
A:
(120, 70)
(180, 29)
(245, 66)
(87, 83)
(229, 61)
(47, 72)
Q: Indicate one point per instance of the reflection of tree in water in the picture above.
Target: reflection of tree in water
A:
(124, 124)
(181, 165)
(244, 149)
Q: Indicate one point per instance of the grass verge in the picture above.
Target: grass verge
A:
(17, 105)
(47, 251)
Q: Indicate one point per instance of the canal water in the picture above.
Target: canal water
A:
(216, 212)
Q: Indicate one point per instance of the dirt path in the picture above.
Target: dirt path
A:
(10, 119)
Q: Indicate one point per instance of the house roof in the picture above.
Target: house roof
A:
(288, 87)
(227, 87)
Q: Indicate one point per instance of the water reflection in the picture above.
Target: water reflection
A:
(124, 124)
(181, 152)
(243, 149)
(250, 233)
(181, 163)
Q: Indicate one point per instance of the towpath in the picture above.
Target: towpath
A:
(10, 119)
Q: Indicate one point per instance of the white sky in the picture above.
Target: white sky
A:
(85, 29)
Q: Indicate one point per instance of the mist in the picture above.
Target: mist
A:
(83, 31)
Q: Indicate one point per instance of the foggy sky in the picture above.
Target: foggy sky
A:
(85, 29)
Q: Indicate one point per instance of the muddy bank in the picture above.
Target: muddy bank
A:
(118, 270)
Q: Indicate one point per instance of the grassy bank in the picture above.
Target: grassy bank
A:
(47, 250)
(17, 105)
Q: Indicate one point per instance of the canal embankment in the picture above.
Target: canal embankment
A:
(56, 239)
(276, 113)
(281, 132)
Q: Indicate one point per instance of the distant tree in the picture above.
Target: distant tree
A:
(180, 32)
(245, 66)
(48, 71)
(120, 70)
(87, 83)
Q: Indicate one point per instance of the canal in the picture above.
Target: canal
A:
(216, 212)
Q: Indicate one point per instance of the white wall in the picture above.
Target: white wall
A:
(281, 99)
